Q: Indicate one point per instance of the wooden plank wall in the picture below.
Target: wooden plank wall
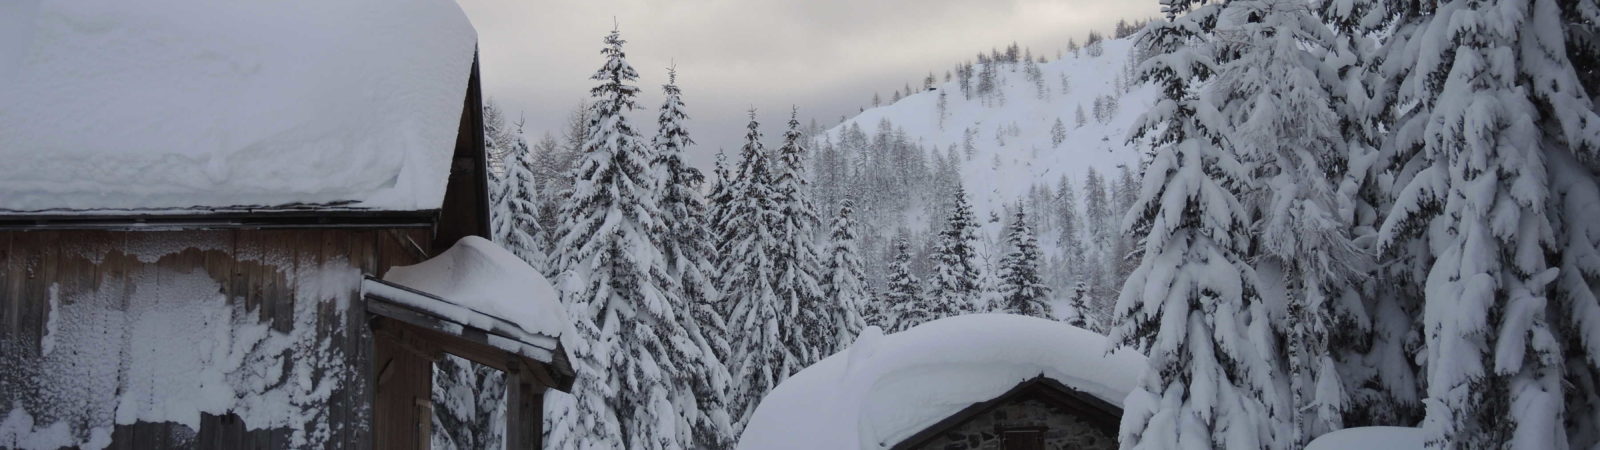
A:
(256, 271)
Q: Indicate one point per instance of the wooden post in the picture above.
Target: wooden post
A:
(524, 409)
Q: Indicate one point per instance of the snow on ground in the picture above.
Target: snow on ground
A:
(884, 388)
(484, 284)
(158, 106)
(1370, 438)
(1003, 169)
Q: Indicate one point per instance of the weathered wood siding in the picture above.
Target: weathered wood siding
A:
(260, 271)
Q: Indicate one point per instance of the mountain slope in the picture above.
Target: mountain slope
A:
(1003, 172)
(1004, 152)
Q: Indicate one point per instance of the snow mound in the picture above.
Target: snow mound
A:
(1370, 438)
(484, 283)
(165, 106)
(900, 384)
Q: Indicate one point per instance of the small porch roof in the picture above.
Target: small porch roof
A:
(498, 345)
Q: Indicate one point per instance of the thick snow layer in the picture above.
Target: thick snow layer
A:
(485, 284)
(160, 106)
(883, 389)
(1370, 438)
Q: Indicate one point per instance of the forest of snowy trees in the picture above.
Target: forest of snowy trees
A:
(1367, 213)
(1346, 213)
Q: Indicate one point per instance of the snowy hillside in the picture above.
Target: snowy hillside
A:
(1013, 139)
(1050, 136)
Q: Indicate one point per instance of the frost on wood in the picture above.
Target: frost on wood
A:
(170, 347)
(170, 105)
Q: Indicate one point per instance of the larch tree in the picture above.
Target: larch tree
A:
(616, 285)
(1058, 133)
(1281, 123)
(1070, 239)
(954, 289)
(1192, 305)
(685, 245)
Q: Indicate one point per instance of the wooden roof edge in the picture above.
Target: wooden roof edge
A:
(562, 374)
(216, 218)
(1050, 385)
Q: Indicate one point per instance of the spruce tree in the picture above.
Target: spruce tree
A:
(1192, 306)
(798, 262)
(902, 300)
(954, 289)
(1077, 313)
(1023, 291)
(758, 319)
(1380, 376)
(685, 245)
(515, 222)
(616, 286)
(1498, 113)
(844, 282)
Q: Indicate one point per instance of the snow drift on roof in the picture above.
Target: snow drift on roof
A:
(478, 279)
(884, 389)
(154, 106)
(1371, 438)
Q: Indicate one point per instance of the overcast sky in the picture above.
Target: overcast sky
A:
(825, 56)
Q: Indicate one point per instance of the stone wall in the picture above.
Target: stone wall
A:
(1062, 429)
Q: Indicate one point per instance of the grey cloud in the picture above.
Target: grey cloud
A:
(826, 56)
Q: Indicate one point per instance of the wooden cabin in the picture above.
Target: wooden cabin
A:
(967, 382)
(1037, 414)
(255, 317)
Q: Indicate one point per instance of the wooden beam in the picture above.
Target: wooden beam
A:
(524, 409)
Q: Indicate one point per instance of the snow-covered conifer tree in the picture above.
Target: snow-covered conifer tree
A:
(954, 288)
(685, 245)
(1024, 291)
(798, 264)
(1069, 223)
(843, 281)
(1497, 108)
(1282, 124)
(758, 319)
(515, 220)
(1077, 313)
(616, 285)
(1192, 305)
(1058, 133)
(902, 299)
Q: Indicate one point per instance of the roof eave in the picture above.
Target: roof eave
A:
(217, 219)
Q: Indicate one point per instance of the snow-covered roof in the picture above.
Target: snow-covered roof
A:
(175, 106)
(886, 388)
(480, 285)
(1371, 438)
